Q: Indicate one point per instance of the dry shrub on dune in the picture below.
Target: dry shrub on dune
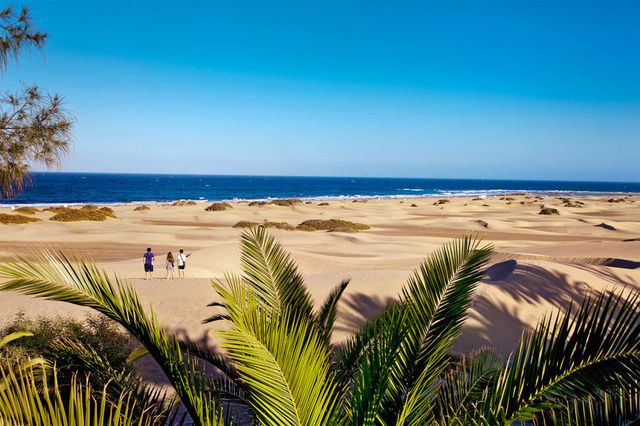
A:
(57, 209)
(16, 219)
(443, 201)
(183, 203)
(548, 211)
(323, 204)
(89, 213)
(286, 202)
(218, 207)
(336, 225)
(26, 210)
(278, 225)
(141, 208)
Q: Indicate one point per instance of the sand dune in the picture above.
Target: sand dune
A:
(541, 262)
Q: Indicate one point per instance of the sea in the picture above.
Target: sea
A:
(49, 188)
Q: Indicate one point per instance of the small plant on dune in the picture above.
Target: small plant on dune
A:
(141, 208)
(281, 368)
(215, 207)
(548, 211)
(88, 213)
(336, 225)
(26, 210)
(443, 201)
(17, 219)
(286, 202)
(266, 224)
(57, 209)
(183, 203)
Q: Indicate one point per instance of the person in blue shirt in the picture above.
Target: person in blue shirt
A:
(148, 264)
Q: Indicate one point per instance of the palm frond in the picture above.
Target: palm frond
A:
(365, 398)
(572, 356)
(281, 359)
(272, 274)
(29, 398)
(466, 385)
(617, 409)
(436, 298)
(326, 315)
(55, 277)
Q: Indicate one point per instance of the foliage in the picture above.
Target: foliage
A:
(90, 213)
(35, 129)
(26, 210)
(16, 219)
(336, 225)
(280, 368)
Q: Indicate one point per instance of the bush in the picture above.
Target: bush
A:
(257, 203)
(141, 208)
(336, 225)
(182, 203)
(443, 201)
(88, 212)
(26, 210)
(216, 207)
(548, 211)
(57, 209)
(49, 333)
(286, 202)
(323, 204)
(16, 219)
(278, 225)
(413, 205)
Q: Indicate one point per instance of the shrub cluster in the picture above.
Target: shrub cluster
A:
(16, 219)
(215, 207)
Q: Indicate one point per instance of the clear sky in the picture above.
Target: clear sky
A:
(477, 89)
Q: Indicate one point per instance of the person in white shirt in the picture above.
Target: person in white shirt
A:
(182, 262)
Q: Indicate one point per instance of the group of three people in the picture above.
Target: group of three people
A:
(181, 259)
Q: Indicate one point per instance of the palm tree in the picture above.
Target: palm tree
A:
(280, 368)
(35, 129)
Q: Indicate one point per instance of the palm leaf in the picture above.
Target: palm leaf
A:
(272, 274)
(593, 352)
(280, 357)
(55, 277)
(29, 398)
(466, 385)
(326, 315)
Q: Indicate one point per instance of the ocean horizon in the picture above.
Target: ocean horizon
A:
(125, 188)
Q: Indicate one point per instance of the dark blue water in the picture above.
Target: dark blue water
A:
(49, 188)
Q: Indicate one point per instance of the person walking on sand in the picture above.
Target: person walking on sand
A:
(171, 262)
(148, 264)
(182, 263)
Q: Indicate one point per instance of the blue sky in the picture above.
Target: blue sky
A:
(478, 89)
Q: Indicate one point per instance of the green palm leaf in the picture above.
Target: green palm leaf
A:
(281, 359)
(574, 357)
(55, 277)
(29, 399)
(466, 385)
(272, 274)
(326, 315)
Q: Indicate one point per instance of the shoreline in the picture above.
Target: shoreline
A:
(336, 198)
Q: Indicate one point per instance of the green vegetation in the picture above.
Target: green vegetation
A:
(35, 129)
(183, 203)
(336, 225)
(215, 207)
(16, 219)
(266, 224)
(280, 367)
(286, 202)
(548, 211)
(88, 212)
(26, 210)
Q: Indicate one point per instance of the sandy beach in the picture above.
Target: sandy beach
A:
(540, 263)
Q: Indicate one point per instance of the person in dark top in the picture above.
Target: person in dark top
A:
(148, 258)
